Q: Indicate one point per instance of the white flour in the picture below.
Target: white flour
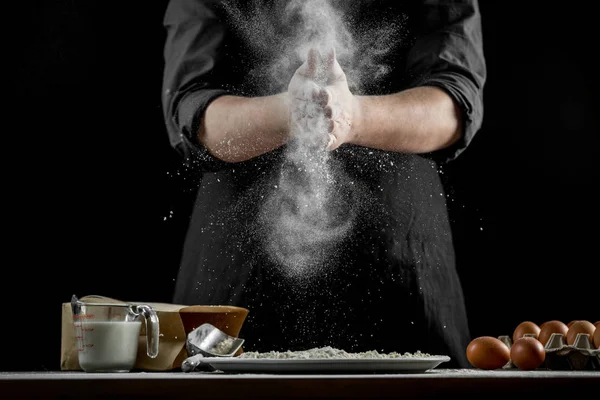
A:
(312, 206)
(328, 352)
(223, 347)
(302, 228)
(281, 32)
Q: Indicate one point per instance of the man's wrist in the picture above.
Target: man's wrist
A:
(358, 120)
(283, 111)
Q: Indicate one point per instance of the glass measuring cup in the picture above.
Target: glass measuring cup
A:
(107, 334)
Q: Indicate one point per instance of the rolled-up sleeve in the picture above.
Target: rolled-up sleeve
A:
(194, 36)
(448, 53)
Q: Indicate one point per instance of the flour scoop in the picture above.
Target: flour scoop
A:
(209, 341)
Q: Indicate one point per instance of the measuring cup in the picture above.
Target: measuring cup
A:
(107, 334)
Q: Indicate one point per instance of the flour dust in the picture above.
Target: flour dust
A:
(313, 204)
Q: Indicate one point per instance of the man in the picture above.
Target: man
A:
(320, 207)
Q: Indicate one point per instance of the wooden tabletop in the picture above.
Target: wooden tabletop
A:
(437, 383)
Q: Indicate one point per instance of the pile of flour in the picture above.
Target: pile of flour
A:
(328, 352)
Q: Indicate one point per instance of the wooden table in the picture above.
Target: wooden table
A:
(437, 383)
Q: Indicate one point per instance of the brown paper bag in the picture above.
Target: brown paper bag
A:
(175, 322)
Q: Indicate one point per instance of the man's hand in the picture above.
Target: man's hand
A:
(306, 111)
(320, 101)
(341, 107)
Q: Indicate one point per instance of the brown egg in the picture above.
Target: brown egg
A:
(527, 353)
(525, 327)
(581, 326)
(596, 324)
(572, 322)
(550, 327)
(487, 352)
(596, 338)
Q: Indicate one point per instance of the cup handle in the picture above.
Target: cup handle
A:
(152, 329)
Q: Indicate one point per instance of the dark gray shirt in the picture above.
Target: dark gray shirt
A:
(389, 282)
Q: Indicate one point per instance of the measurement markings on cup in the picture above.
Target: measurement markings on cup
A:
(84, 316)
(81, 328)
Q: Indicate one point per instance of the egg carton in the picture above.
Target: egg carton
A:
(581, 355)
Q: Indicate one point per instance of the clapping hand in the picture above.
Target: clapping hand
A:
(321, 102)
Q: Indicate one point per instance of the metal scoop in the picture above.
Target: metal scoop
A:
(209, 341)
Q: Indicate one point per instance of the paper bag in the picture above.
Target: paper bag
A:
(175, 322)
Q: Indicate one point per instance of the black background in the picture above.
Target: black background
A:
(96, 200)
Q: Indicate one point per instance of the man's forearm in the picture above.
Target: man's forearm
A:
(236, 129)
(417, 120)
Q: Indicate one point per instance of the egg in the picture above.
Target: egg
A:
(550, 327)
(596, 338)
(487, 352)
(524, 328)
(527, 353)
(571, 323)
(596, 324)
(580, 326)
